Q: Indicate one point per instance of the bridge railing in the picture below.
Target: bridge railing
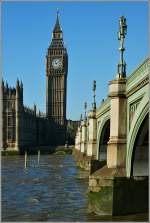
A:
(139, 74)
(105, 105)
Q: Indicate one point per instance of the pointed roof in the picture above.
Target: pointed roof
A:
(57, 35)
(57, 27)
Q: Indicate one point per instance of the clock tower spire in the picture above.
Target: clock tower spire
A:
(56, 86)
(57, 31)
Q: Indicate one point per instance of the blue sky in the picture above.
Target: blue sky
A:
(90, 34)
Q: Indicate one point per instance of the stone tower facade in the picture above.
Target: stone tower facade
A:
(56, 86)
(22, 128)
(12, 104)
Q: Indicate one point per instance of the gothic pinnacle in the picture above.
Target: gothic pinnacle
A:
(17, 83)
(57, 25)
(57, 31)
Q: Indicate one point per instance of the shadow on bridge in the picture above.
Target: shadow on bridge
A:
(104, 138)
(139, 163)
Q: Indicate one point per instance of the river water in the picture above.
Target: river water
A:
(50, 191)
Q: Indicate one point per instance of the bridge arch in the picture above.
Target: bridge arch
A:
(103, 138)
(137, 150)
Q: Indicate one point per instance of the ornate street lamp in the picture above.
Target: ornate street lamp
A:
(94, 95)
(121, 71)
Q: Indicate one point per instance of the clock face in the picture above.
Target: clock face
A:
(57, 63)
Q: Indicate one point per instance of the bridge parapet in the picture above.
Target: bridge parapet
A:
(138, 75)
(103, 108)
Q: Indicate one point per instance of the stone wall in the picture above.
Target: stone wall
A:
(118, 195)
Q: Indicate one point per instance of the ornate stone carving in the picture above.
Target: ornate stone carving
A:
(133, 108)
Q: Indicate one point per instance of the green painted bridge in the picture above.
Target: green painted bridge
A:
(135, 115)
(117, 131)
(112, 144)
(112, 141)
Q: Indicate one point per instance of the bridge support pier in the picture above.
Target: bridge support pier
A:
(79, 138)
(115, 195)
(84, 136)
(80, 144)
(117, 142)
(86, 141)
(103, 181)
(91, 147)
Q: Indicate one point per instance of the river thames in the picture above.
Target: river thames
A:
(54, 190)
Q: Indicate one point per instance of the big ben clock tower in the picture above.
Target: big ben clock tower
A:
(56, 86)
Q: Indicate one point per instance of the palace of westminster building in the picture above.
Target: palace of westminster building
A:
(23, 127)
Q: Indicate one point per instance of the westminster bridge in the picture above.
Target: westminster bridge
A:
(121, 120)
(112, 142)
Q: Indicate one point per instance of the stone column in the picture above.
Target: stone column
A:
(76, 140)
(75, 146)
(79, 138)
(116, 149)
(92, 133)
(84, 136)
